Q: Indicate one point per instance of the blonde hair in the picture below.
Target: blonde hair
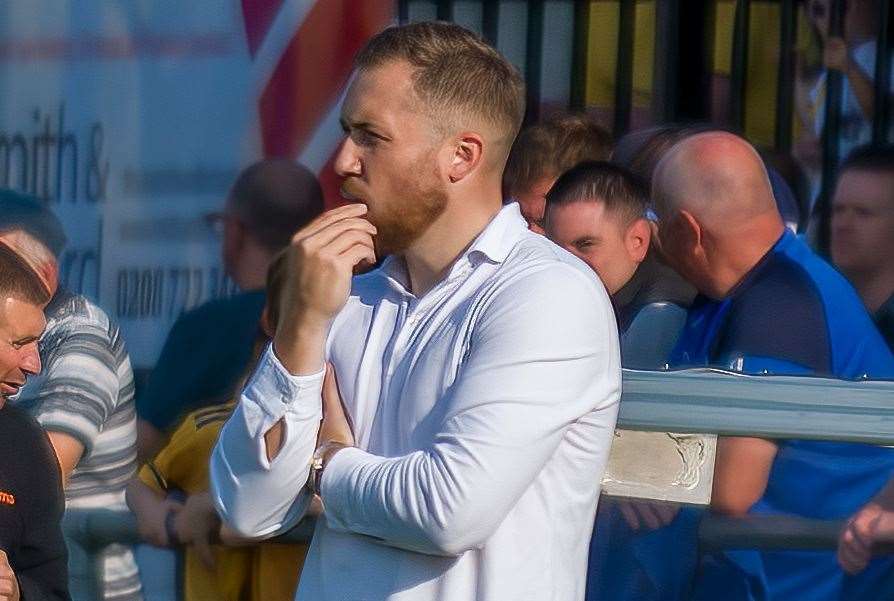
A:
(456, 73)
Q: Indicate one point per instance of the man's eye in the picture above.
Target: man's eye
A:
(364, 138)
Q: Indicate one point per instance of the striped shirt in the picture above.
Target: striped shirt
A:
(86, 390)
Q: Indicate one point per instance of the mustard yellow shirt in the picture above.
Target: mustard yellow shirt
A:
(267, 572)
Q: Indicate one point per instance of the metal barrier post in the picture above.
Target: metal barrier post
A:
(490, 21)
(534, 58)
(739, 65)
(624, 66)
(831, 127)
(785, 78)
(667, 60)
(882, 104)
(445, 10)
(403, 11)
(579, 60)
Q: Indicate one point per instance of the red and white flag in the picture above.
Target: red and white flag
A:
(302, 52)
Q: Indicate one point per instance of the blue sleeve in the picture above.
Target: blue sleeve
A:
(781, 318)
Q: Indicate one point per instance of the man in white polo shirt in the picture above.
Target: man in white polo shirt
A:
(478, 365)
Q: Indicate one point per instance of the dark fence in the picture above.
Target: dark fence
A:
(633, 63)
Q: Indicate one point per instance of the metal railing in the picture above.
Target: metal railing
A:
(698, 401)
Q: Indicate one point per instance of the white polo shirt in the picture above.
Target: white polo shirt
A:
(483, 413)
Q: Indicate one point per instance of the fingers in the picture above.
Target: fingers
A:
(348, 239)
(667, 512)
(202, 547)
(9, 586)
(853, 555)
(359, 254)
(333, 232)
(328, 218)
(649, 515)
(855, 543)
(630, 515)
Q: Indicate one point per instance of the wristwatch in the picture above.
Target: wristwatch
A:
(320, 458)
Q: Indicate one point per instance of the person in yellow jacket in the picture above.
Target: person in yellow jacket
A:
(172, 505)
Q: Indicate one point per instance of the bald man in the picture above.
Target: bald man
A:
(767, 303)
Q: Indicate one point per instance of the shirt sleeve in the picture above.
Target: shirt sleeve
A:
(80, 386)
(257, 497)
(544, 356)
(781, 318)
(41, 563)
(168, 466)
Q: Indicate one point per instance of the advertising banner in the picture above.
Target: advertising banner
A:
(131, 120)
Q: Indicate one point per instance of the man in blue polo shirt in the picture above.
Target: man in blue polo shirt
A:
(768, 303)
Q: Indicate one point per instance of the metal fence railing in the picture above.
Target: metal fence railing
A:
(618, 89)
(698, 401)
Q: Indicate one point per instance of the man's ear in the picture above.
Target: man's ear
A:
(690, 232)
(468, 151)
(266, 326)
(637, 239)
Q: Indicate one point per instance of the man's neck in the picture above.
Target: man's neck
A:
(740, 259)
(430, 257)
(875, 288)
(251, 272)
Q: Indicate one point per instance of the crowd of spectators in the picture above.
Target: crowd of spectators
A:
(698, 240)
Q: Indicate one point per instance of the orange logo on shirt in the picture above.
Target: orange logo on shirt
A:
(7, 498)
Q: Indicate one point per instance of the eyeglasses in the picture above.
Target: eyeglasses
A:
(216, 221)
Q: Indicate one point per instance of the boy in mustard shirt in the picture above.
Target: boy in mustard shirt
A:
(263, 572)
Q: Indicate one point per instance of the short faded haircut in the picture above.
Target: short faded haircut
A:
(621, 192)
(455, 72)
(870, 158)
(274, 198)
(550, 148)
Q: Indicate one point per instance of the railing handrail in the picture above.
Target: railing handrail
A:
(768, 406)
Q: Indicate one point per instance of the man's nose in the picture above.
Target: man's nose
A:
(348, 160)
(30, 363)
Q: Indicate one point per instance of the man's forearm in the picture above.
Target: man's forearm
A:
(300, 347)
(254, 494)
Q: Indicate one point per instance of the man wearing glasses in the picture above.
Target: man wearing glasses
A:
(269, 201)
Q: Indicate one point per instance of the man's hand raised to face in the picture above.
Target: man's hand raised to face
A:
(9, 584)
(320, 262)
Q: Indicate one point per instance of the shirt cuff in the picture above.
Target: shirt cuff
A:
(272, 392)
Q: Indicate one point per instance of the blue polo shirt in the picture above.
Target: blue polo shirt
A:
(206, 353)
(794, 314)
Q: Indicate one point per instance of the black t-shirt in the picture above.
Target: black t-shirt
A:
(653, 282)
(31, 508)
(205, 354)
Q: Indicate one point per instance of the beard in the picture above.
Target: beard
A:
(400, 220)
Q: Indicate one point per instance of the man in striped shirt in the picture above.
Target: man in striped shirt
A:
(83, 398)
